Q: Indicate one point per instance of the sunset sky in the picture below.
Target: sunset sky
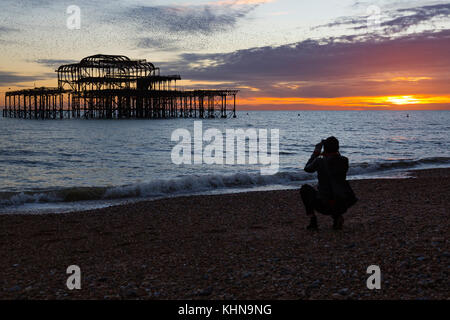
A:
(281, 54)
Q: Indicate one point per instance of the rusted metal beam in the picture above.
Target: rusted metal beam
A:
(111, 86)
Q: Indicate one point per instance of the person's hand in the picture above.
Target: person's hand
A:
(318, 147)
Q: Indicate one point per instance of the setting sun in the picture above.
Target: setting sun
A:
(401, 100)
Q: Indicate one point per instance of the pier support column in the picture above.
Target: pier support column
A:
(234, 105)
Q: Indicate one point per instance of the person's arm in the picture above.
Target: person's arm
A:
(312, 164)
(346, 165)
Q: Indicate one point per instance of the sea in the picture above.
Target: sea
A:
(55, 166)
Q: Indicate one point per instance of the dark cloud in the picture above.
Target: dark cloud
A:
(396, 21)
(320, 62)
(54, 63)
(12, 78)
(4, 30)
(324, 58)
(343, 21)
(158, 43)
(204, 19)
(415, 16)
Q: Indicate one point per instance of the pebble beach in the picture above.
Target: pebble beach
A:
(238, 246)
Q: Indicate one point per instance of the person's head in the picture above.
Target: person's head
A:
(330, 145)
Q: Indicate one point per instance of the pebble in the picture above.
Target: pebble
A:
(343, 291)
(128, 291)
(404, 264)
(285, 272)
(426, 282)
(307, 262)
(205, 292)
(130, 294)
(315, 284)
(15, 289)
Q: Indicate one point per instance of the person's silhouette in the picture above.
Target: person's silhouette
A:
(334, 195)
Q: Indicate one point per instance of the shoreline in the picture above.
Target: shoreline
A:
(249, 245)
(101, 203)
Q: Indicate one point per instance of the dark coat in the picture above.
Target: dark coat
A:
(332, 173)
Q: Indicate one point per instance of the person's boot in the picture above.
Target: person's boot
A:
(338, 222)
(313, 224)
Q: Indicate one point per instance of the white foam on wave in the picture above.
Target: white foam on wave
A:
(190, 184)
(203, 183)
(22, 197)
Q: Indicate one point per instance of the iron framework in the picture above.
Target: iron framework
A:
(114, 87)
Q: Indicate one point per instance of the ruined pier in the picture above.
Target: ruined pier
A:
(116, 87)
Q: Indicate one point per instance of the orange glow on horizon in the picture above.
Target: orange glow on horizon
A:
(411, 79)
(348, 103)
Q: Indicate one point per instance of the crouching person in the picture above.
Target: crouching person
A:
(334, 195)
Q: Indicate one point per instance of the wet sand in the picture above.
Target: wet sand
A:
(239, 246)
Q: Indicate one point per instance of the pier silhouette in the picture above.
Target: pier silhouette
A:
(116, 87)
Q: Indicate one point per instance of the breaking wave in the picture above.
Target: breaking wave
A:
(202, 183)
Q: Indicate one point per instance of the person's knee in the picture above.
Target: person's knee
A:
(305, 189)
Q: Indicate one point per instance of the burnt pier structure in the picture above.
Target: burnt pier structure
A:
(116, 87)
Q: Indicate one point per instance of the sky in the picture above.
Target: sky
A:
(280, 54)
